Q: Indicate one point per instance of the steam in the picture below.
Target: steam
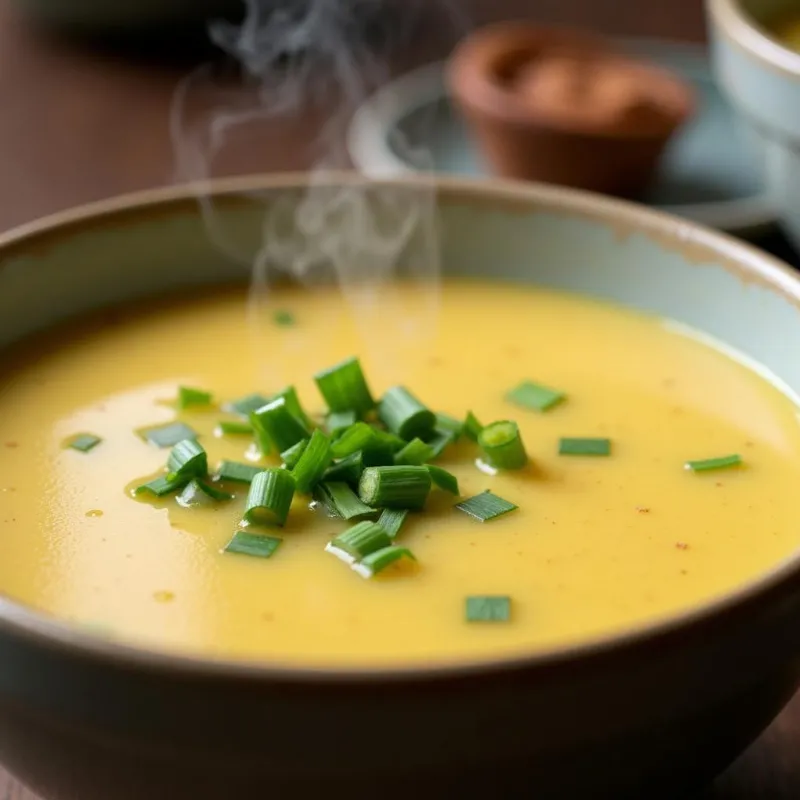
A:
(316, 60)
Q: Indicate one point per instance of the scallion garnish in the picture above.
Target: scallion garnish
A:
(168, 435)
(404, 415)
(237, 472)
(293, 406)
(416, 452)
(339, 421)
(354, 438)
(443, 479)
(395, 487)
(378, 452)
(709, 464)
(270, 497)
(392, 519)
(200, 493)
(162, 485)
(502, 445)
(187, 459)
(488, 608)
(339, 500)
(439, 442)
(83, 442)
(245, 406)
(362, 539)
(313, 462)
(444, 422)
(584, 447)
(227, 427)
(252, 544)
(534, 396)
(278, 425)
(291, 456)
(391, 440)
(344, 387)
(485, 506)
(284, 318)
(376, 562)
(348, 470)
(188, 397)
(472, 427)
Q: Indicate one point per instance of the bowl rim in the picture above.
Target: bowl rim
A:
(697, 242)
(737, 25)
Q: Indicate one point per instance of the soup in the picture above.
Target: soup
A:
(787, 30)
(598, 543)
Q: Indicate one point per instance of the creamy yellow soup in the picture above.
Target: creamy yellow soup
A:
(597, 545)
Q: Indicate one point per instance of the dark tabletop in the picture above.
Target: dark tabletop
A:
(82, 123)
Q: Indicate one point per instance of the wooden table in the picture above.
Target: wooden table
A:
(77, 126)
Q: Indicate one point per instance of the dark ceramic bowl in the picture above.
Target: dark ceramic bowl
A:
(643, 714)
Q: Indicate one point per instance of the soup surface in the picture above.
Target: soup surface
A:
(598, 544)
(787, 30)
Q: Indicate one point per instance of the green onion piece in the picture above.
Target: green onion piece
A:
(390, 440)
(168, 435)
(228, 427)
(472, 427)
(376, 562)
(316, 458)
(278, 425)
(416, 452)
(236, 472)
(284, 318)
(440, 441)
(404, 415)
(188, 397)
(253, 544)
(339, 501)
(344, 387)
(487, 608)
(352, 440)
(162, 485)
(446, 423)
(485, 506)
(348, 470)
(395, 487)
(362, 539)
(289, 394)
(339, 421)
(708, 464)
(187, 459)
(443, 479)
(392, 519)
(584, 447)
(83, 442)
(533, 396)
(502, 445)
(245, 406)
(291, 456)
(378, 453)
(270, 497)
(200, 493)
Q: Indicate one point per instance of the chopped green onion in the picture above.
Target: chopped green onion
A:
(376, 562)
(162, 485)
(390, 440)
(187, 459)
(291, 456)
(270, 497)
(199, 493)
(487, 608)
(378, 453)
(362, 539)
(485, 506)
(253, 544)
(168, 435)
(237, 472)
(584, 447)
(355, 438)
(83, 442)
(440, 441)
(348, 470)
(534, 396)
(339, 421)
(446, 423)
(344, 387)
(392, 519)
(188, 397)
(502, 445)
(228, 427)
(289, 394)
(416, 452)
(278, 425)
(472, 427)
(245, 406)
(315, 459)
(708, 464)
(283, 318)
(443, 479)
(395, 487)
(339, 500)
(404, 415)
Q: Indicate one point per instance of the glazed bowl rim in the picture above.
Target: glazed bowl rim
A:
(743, 260)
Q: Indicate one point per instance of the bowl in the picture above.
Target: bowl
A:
(762, 79)
(642, 714)
(608, 141)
